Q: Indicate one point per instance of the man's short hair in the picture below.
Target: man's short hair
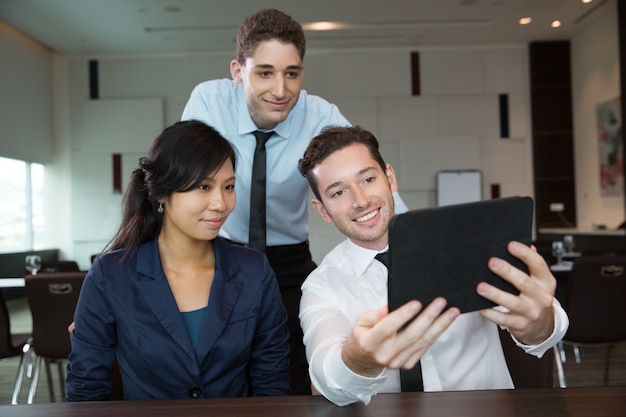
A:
(331, 140)
(266, 25)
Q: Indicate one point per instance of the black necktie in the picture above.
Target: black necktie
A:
(410, 379)
(256, 237)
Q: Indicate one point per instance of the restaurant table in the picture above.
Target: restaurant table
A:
(552, 402)
(12, 282)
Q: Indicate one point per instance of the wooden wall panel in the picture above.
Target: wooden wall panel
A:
(552, 133)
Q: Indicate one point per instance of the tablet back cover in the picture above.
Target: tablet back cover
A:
(444, 251)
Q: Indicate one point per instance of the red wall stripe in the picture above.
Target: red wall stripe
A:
(117, 173)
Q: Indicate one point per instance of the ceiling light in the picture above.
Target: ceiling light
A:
(587, 1)
(324, 26)
(556, 24)
(525, 20)
(419, 24)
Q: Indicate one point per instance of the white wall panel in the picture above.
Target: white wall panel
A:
(466, 114)
(402, 116)
(452, 71)
(95, 218)
(422, 156)
(390, 150)
(117, 126)
(418, 199)
(359, 111)
(26, 125)
(375, 73)
(92, 173)
(506, 70)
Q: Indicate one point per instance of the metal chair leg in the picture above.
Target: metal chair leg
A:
(561, 349)
(30, 359)
(21, 370)
(577, 353)
(607, 361)
(50, 381)
(558, 355)
(32, 391)
(61, 371)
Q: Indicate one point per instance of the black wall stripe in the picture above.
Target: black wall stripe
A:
(94, 92)
(415, 73)
(504, 116)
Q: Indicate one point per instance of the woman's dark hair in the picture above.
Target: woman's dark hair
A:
(331, 140)
(266, 25)
(180, 158)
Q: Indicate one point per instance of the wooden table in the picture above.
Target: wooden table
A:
(572, 402)
(554, 402)
(292, 406)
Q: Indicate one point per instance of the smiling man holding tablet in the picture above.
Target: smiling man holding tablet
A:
(355, 346)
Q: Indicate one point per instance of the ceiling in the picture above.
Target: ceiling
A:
(109, 27)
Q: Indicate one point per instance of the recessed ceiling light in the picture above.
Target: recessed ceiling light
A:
(324, 26)
(556, 24)
(587, 1)
(525, 20)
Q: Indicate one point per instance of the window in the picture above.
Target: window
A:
(22, 213)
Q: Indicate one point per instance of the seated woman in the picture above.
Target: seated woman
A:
(184, 313)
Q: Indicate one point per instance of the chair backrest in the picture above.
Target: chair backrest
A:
(52, 299)
(527, 371)
(596, 299)
(59, 266)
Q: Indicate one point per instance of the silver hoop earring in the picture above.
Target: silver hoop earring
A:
(160, 209)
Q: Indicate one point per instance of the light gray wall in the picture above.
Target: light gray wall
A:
(453, 124)
(25, 97)
(595, 79)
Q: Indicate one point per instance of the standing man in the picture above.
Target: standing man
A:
(265, 95)
(356, 348)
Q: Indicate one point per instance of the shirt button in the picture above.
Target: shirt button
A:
(195, 392)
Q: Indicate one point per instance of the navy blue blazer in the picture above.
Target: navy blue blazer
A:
(126, 311)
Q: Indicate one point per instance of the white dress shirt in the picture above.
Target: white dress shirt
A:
(467, 356)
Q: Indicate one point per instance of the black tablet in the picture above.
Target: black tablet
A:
(444, 251)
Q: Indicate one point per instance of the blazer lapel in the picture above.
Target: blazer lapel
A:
(224, 294)
(156, 292)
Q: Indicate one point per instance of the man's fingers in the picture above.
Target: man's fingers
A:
(419, 335)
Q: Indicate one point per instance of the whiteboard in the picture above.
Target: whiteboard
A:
(458, 186)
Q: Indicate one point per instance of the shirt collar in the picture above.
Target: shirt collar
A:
(362, 257)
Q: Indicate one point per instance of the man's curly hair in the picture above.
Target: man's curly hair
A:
(265, 25)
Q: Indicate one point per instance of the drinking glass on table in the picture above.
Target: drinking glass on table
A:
(557, 251)
(32, 263)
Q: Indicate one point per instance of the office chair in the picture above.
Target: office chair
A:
(59, 266)
(527, 371)
(12, 345)
(596, 305)
(52, 298)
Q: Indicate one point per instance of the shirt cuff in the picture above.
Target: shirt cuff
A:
(342, 378)
(561, 323)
